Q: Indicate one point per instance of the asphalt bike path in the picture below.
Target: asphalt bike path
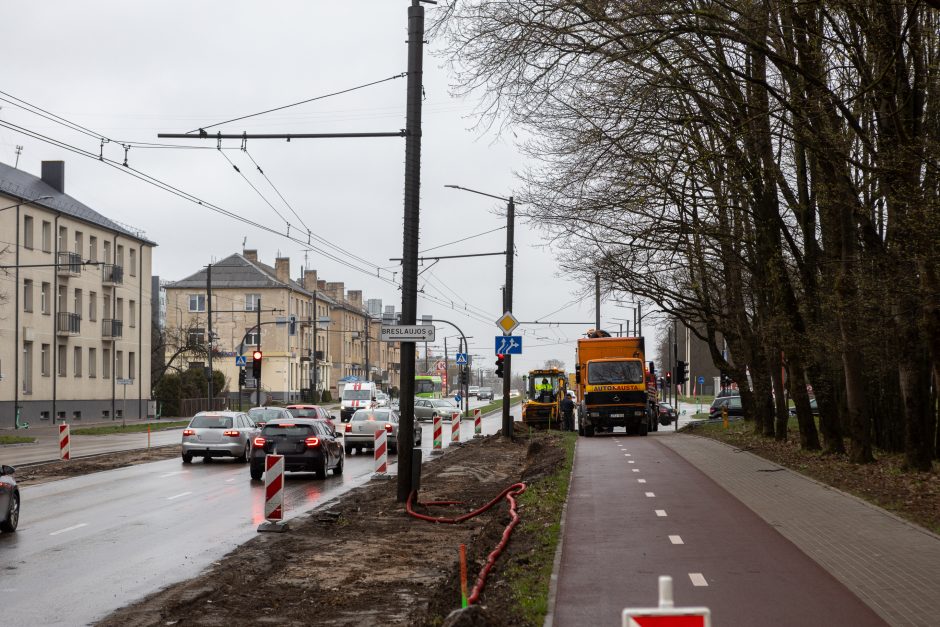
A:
(637, 510)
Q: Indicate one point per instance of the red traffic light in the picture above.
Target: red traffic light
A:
(256, 355)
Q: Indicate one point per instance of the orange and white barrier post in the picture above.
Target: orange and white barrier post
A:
(273, 494)
(65, 442)
(455, 428)
(438, 443)
(477, 423)
(381, 452)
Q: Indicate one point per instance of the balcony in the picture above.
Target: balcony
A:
(69, 264)
(112, 274)
(111, 328)
(68, 324)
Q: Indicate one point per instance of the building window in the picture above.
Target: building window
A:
(196, 336)
(27, 367)
(77, 361)
(133, 255)
(252, 337)
(197, 302)
(106, 363)
(28, 295)
(119, 257)
(46, 237)
(78, 302)
(92, 306)
(44, 358)
(119, 309)
(79, 243)
(131, 365)
(92, 248)
(92, 363)
(61, 364)
(107, 251)
(119, 365)
(45, 298)
(132, 312)
(63, 239)
(252, 302)
(28, 232)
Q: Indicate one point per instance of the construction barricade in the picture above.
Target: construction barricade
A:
(65, 442)
(381, 452)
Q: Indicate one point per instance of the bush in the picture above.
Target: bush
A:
(393, 392)
(326, 397)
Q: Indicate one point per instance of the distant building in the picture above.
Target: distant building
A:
(374, 307)
(75, 319)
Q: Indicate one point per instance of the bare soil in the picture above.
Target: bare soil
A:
(365, 561)
(34, 474)
(911, 495)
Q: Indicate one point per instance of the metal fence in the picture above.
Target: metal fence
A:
(192, 406)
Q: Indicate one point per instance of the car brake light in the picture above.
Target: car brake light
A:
(348, 427)
(388, 427)
(259, 442)
(285, 424)
(312, 442)
(189, 432)
(232, 434)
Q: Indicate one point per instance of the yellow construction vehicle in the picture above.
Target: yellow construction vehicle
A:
(545, 388)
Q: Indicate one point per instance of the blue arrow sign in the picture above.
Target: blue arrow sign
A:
(461, 359)
(241, 361)
(508, 344)
(701, 380)
(457, 399)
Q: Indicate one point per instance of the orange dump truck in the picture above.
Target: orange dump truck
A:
(612, 381)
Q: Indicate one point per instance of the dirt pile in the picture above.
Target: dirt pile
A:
(364, 560)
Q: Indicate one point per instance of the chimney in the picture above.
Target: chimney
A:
(53, 175)
(336, 290)
(282, 269)
(310, 280)
(251, 254)
(321, 285)
(355, 298)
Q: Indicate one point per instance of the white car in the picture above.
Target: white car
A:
(382, 399)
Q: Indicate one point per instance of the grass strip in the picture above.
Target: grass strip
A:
(540, 507)
(497, 405)
(133, 428)
(15, 439)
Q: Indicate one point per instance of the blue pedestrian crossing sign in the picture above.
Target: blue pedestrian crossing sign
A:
(461, 359)
(508, 344)
(241, 361)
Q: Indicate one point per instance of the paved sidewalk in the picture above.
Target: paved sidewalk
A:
(892, 565)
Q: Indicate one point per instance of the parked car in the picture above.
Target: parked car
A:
(667, 415)
(428, 408)
(9, 499)
(728, 391)
(360, 431)
(812, 406)
(262, 415)
(218, 434)
(485, 394)
(382, 399)
(307, 444)
(733, 403)
(312, 411)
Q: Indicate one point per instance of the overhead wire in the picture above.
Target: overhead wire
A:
(462, 239)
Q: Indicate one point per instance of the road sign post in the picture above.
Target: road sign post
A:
(124, 383)
(666, 615)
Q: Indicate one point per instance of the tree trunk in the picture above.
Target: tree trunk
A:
(781, 410)
(809, 436)
(830, 416)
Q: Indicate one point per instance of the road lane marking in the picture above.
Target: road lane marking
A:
(627, 455)
(72, 528)
(630, 461)
(651, 494)
(676, 539)
(635, 469)
(641, 480)
(230, 480)
(698, 580)
(661, 513)
(170, 474)
(176, 496)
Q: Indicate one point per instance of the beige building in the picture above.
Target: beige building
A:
(74, 306)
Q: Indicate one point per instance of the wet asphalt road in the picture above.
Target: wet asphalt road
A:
(91, 544)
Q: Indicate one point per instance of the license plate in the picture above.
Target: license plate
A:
(616, 415)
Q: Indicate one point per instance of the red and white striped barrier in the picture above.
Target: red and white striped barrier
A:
(274, 488)
(477, 423)
(65, 442)
(438, 439)
(381, 452)
(455, 428)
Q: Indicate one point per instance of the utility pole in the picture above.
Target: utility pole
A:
(316, 318)
(507, 306)
(639, 319)
(412, 214)
(258, 380)
(675, 354)
(597, 301)
(209, 311)
(447, 369)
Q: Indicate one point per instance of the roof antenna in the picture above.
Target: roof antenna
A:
(244, 241)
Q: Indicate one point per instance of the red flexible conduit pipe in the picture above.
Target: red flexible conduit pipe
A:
(510, 495)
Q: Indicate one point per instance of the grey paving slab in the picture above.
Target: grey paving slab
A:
(889, 563)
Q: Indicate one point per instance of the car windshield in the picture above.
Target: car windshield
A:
(286, 429)
(486, 390)
(615, 372)
(441, 403)
(264, 415)
(427, 386)
(303, 412)
(385, 416)
(357, 395)
(381, 396)
(211, 422)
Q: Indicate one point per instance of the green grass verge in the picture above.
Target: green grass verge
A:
(541, 502)
(498, 405)
(15, 439)
(134, 428)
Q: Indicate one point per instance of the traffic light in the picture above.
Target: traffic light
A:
(680, 372)
(499, 365)
(241, 377)
(464, 377)
(668, 379)
(256, 364)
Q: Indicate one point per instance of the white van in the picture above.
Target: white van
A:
(355, 396)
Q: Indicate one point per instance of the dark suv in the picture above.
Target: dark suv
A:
(308, 445)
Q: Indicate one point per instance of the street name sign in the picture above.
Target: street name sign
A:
(412, 333)
(508, 344)
(125, 382)
(507, 323)
(461, 359)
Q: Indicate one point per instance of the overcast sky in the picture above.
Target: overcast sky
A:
(128, 70)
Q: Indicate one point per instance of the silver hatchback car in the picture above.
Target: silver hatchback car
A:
(219, 434)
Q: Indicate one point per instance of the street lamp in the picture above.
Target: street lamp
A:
(26, 202)
(507, 293)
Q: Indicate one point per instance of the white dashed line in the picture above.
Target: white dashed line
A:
(698, 579)
(641, 480)
(72, 528)
(630, 461)
(635, 469)
(170, 474)
(651, 494)
(230, 480)
(176, 496)
(661, 513)
(676, 539)
(628, 455)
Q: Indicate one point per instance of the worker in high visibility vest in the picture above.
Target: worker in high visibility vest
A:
(544, 389)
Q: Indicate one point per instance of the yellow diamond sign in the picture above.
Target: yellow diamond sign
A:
(507, 322)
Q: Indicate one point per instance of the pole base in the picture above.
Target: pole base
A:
(276, 527)
(477, 436)
(437, 451)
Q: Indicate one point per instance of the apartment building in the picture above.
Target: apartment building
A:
(74, 306)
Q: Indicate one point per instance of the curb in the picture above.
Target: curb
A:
(556, 564)
(90, 456)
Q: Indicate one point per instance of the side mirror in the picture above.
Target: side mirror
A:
(7, 470)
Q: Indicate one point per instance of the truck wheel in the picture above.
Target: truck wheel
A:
(644, 429)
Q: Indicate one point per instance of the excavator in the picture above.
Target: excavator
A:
(545, 388)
